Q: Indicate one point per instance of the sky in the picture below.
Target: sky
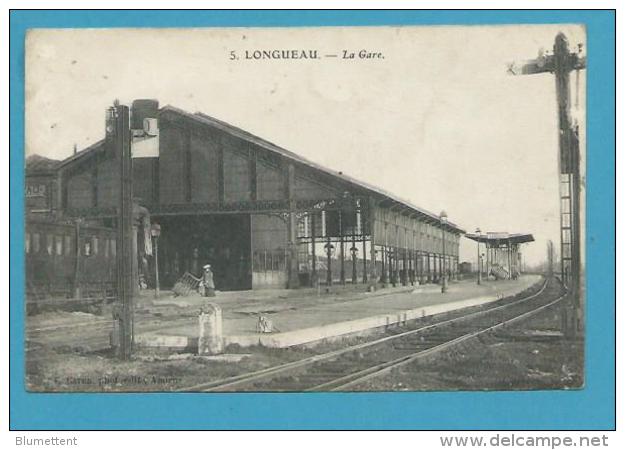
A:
(437, 121)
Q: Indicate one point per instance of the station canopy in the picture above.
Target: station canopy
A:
(498, 238)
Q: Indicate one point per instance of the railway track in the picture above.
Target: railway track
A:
(90, 334)
(345, 368)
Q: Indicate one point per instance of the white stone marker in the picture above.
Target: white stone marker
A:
(210, 340)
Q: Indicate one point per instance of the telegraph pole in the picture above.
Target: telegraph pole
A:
(561, 63)
(120, 140)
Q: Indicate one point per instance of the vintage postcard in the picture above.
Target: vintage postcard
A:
(392, 208)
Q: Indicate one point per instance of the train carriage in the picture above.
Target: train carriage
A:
(68, 260)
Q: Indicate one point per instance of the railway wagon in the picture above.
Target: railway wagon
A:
(68, 260)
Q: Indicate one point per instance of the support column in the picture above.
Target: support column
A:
(125, 280)
(414, 258)
(404, 280)
(428, 259)
(509, 260)
(354, 252)
(420, 264)
(393, 257)
(396, 279)
(389, 264)
(384, 278)
(293, 279)
(374, 276)
(313, 275)
(440, 268)
(342, 248)
(364, 260)
(398, 258)
(494, 258)
(419, 267)
(328, 248)
(383, 260)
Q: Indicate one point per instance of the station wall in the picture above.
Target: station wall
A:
(269, 251)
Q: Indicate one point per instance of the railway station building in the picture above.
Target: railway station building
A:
(262, 216)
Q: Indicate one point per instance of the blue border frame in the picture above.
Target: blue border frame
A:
(592, 408)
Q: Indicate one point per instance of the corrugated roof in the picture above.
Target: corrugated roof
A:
(238, 132)
(514, 238)
(216, 123)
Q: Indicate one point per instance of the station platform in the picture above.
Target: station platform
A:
(307, 317)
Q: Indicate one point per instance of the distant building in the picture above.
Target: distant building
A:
(261, 215)
(41, 188)
(503, 258)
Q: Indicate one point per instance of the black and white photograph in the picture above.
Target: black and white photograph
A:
(313, 209)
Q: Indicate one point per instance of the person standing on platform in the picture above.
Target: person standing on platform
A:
(207, 282)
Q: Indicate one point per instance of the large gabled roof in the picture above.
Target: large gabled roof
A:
(204, 119)
(238, 132)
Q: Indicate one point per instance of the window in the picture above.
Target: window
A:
(68, 245)
(106, 248)
(302, 226)
(27, 242)
(49, 243)
(87, 248)
(94, 245)
(113, 247)
(58, 244)
(36, 242)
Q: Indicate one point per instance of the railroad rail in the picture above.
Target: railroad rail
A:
(345, 368)
(96, 332)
